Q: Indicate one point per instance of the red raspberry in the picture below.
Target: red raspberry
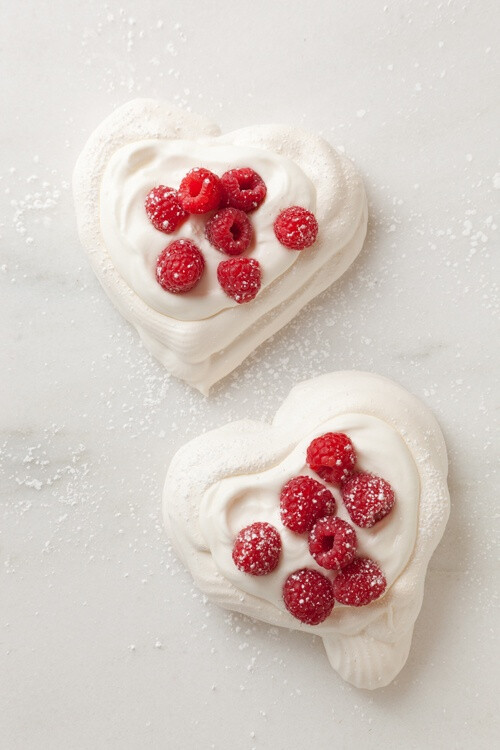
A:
(200, 191)
(296, 228)
(164, 210)
(368, 499)
(303, 500)
(179, 266)
(308, 596)
(359, 583)
(257, 549)
(332, 456)
(240, 278)
(243, 189)
(230, 231)
(332, 543)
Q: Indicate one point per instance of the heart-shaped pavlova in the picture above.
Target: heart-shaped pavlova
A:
(207, 243)
(323, 521)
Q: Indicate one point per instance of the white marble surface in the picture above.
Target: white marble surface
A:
(103, 641)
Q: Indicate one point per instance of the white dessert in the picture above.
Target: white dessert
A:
(231, 477)
(203, 335)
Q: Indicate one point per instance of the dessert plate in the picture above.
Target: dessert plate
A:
(203, 334)
(227, 488)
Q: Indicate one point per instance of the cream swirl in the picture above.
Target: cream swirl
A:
(202, 335)
(134, 244)
(238, 501)
(230, 477)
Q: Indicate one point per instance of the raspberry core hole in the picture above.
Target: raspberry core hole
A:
(327, 543)
(247, 184)
(235, 230)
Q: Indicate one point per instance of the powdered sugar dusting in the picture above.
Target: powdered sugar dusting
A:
(231, 477)
(131, 150)
(417, 306)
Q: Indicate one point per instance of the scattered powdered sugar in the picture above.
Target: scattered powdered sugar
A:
(91, 421)
(167, 39)
(142, 415)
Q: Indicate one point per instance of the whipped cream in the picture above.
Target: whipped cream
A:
(231, 477)
(203, 335)
(134, 244)
(236, 502)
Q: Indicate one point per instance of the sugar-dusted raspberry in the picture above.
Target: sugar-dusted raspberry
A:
(308, 596)
(359, 583)
(164, 210)
(179, 266)
(257, 549)
(368, 499)
(332, 456)
(332, 543)
(296, 228)
(200, 191)
(240, 278)
(243, 188)
(229, 231)
(302, 501)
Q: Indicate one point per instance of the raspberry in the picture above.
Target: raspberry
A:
(230, 231)
(359, 583)
(257, 549)
(332, 543)
(179, 266)
(240, 278)
(296, 228)
(308, 596)
(164, 210)
(303, 500)
(368, 499)
(332, 456)
(243, 188)
(200, 191)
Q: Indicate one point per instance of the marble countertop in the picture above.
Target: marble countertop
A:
(104, 642)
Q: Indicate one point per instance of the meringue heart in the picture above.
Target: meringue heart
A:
(230, 478)
(203, 335)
